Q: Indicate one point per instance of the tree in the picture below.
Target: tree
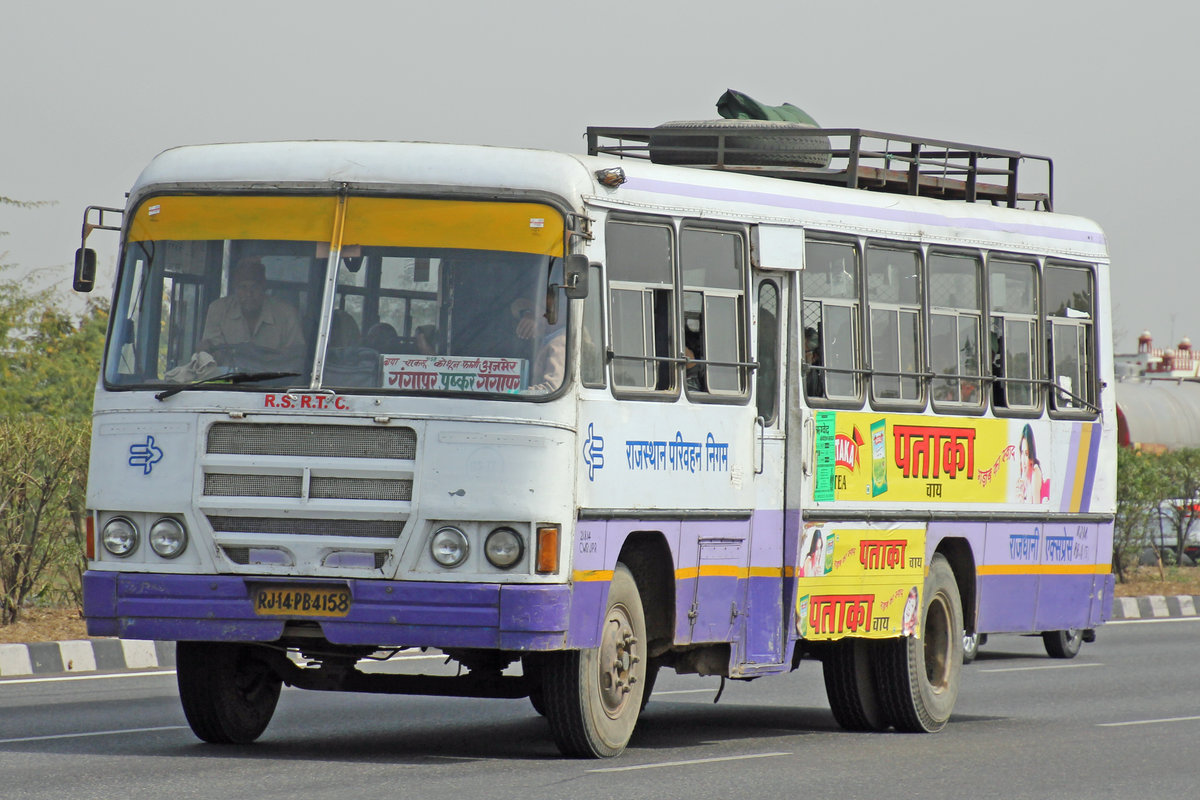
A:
(1182, 507)
(1142, 486)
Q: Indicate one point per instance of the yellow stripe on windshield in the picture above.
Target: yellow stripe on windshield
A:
(208, 217)
(370, 221)
(405, 222)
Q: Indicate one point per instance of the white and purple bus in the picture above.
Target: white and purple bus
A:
(687, 401)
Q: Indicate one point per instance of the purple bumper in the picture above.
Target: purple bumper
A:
(382, 613)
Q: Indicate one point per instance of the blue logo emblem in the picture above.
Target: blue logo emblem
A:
(145, 455)
(593, 452)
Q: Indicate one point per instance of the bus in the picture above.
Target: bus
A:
(713, 399)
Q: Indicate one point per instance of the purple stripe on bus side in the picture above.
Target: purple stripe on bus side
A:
(850, 209)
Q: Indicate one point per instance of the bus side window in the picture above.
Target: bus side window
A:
(830, 322)
(766, 378)
(641, 300)
(712, 265)
(1012, 300)
(1070, 315)
(894, 324)
(591, 358)
(955, 327)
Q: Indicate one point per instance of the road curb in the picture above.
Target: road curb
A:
(115, 655)
(1156, 606)
(83, 655)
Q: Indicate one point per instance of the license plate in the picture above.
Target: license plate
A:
(302, 601)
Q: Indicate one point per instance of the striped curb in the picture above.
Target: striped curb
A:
(1156, 606)
(85, 655)
(115, 655)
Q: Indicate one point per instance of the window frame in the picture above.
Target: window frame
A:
(854, 306)
(981, 378)
(1036, 373)
(921, 375)
(647, 290)
(1087, 327)
(745, 367)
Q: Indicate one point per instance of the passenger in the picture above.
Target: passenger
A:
(343, 330)
(694, 351)
(549, 363)
(382, 338)
(814, 379)
(427, 340)
(248, 316)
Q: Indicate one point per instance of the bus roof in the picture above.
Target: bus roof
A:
(645, 186)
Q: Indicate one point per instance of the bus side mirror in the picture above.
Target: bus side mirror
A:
(575, 276)
(85, 270)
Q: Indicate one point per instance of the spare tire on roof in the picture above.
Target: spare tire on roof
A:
(685, 142)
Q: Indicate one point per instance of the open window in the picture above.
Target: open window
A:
(712, 264)
(1070, 315)
(641, 301)
(1012, 336)
(955, 330)
(831, 366)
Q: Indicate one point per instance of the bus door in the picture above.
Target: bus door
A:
(762, 642)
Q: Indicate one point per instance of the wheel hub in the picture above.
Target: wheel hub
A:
(618, 656)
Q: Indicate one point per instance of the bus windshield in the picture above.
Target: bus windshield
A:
(423, 296)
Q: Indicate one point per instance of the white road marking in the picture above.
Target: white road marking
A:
(107, 676)
(1150, 620)
(687, 763)
(1045, 666)
(93, 733)
(1145, 722)
(683, 691)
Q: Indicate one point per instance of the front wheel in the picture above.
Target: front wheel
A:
(228, 693)
(1063, 644)
(919, 677)
(592, 697)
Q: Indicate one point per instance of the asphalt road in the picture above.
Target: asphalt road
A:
(1118, 721)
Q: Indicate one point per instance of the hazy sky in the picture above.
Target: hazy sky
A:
(90, 92)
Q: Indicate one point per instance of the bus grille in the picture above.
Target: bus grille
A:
(242, 556)
(320, 487)
(350, 528)
(312, 441)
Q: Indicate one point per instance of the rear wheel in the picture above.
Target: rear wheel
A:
(850, 685)
(592, 697)
(1063, 644)
(228, 693)
(918, 678)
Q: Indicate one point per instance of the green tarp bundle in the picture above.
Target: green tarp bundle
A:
(736, 105)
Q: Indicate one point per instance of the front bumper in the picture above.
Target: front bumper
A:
(382, 613)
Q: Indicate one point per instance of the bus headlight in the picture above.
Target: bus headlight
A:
(503, 548)
(120, 536)
(449, 546)
(168, 537)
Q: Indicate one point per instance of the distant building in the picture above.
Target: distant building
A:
(1158, 396)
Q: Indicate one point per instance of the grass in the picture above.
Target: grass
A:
(1148, 580)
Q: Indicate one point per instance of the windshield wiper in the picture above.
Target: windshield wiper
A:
(232, 377)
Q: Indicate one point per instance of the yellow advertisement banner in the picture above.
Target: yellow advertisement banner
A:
(859, 582)
(907, 458)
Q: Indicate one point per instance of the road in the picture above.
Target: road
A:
(1116, 722)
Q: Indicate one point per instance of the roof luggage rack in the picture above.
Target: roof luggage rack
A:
(851, 157)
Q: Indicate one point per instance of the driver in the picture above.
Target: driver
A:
(248, 316)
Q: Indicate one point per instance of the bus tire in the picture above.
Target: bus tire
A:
(971, 642)
(850, 686)
(652, 669)
(798, 149)
(1063, 644)
(593, 696)
(919, 677)
(228, 693)
(531, 668)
